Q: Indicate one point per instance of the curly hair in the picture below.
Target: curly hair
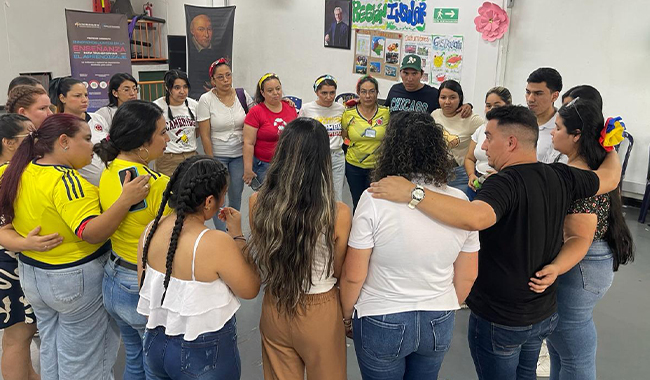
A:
(414, 148)
(295, 213)
(192, 182)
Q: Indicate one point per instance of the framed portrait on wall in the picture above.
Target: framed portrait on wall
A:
(337, 23)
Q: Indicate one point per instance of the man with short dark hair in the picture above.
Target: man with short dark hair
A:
(413, 95)
(543, 89)
(519, 212)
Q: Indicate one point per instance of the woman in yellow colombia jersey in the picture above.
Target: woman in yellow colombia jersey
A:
(137, 136)
(41, 187)
(364, 125)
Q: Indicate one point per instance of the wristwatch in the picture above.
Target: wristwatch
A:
(417, 195)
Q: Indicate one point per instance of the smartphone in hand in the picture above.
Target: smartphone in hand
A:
(134, 173)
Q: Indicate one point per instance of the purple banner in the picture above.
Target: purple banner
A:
(99, 47)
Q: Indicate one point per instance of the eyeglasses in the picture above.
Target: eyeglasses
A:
(222, 77)
(575, 106)
(367, 92)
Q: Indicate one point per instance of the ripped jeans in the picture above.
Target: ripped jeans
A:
(212, 355)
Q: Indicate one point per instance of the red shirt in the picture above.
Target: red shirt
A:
(269, 126)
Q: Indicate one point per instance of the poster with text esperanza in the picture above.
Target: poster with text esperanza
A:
(377, 53)
(99, 47)
(447, 58)
(390, 14)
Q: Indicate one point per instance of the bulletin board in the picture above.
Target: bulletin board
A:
(377, 53)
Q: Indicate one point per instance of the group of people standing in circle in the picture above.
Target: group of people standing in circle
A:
(104, 218)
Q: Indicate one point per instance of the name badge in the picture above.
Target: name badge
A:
(370, 133)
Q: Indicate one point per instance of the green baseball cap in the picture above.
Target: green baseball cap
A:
(412, 61)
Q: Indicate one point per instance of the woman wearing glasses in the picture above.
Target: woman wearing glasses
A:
(364, 125)
(179, 111)
(262, 128)
(121, 88)
(583, 136)
(221, 113)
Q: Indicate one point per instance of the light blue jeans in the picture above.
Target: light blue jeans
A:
(338, 173)
(235, 187)
(572, 346)
(260, 168)
(460, 179)
(78, 338)
(121, 296)
(409, 345)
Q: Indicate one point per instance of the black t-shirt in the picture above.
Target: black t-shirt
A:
(530, 202)
(422, 100)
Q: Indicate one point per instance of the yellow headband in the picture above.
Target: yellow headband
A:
(265, 77)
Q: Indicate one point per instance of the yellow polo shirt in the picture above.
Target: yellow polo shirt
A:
(365, 135)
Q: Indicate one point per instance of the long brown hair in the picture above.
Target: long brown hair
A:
(38, 143)
(294, 213)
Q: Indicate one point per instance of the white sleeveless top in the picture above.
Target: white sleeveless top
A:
(191, 307)
(322, 282)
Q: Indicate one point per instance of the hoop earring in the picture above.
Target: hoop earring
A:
(146, 160)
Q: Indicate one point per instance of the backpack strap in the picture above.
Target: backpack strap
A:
(242, 98)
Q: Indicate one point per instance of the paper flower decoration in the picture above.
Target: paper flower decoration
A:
(492, 21)
(612, 133)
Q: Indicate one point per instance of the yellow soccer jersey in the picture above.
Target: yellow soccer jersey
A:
(125, 239)
(59, 200)
(365, 135)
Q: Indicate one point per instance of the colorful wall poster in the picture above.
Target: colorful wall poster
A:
(406, 15)
(363, 44)
(389, 14)
(99, 47)
(378, 47)
(377, 53)
(420, 45)
(447, 58)
(368, 14)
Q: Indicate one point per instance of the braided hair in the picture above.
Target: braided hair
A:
(192, 182)
(169, 79)
(22, 96)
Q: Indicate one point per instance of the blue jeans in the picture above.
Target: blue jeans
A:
(235, 187)
(260, 168)
(212, 355)
(572, 346)
(338, 173)
(358, 181)
(78, 338)
(409, 345)
(507, 352)
(121, 295)
(460, 179)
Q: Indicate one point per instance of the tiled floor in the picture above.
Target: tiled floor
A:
(621, 318)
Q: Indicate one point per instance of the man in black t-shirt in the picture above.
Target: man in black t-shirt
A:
(520, 213)
(413, 95)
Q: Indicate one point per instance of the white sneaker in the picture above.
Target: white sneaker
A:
(544, 362)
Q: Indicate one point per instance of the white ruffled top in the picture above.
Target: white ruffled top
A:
(191, 307)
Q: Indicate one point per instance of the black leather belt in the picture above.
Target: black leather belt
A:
(123, 263)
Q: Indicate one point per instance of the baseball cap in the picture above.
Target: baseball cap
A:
(412, 61)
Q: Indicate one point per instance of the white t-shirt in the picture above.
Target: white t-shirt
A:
(226, 123)
(107, 113)
(411, 266)
(463, 128)
(99, 130)
(482, 165)
(330, 117)
(546, 153)
(181, 130)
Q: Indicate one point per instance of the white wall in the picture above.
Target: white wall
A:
(34, 38)
(602, 43)
(286, 37)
